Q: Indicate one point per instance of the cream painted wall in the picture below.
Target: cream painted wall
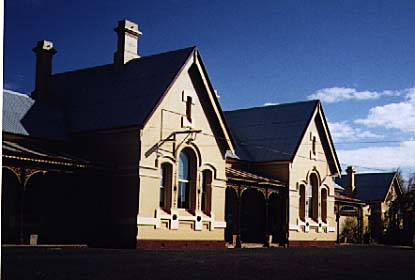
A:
(302, 166)
(169, 116)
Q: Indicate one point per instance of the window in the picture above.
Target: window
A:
(310, 201)
(302, 202)
(189, 108)
(184, 181)
(165, 186)
(206, 191)
(324, 205)
(163, 179)
(314, 145)
(187, 192)
(313, 198)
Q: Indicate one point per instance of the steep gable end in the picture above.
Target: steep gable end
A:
(196, 72)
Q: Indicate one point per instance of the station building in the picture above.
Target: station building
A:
(139, 154)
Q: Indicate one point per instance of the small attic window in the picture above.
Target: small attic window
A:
(189, 108)
(313, 145)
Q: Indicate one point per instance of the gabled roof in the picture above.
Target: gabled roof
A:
(270, 133)
(21, 115)
(105, 97)
(370, 186)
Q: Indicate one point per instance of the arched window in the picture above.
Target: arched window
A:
(187, 180)
(302, 202)
(313, 197)
(206, 191)
(324, 205)
(165, 186)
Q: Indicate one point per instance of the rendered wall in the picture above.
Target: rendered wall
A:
(169, 117)
(304, 164)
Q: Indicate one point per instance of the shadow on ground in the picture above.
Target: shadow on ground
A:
(260, 263)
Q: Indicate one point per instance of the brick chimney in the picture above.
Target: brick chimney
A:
(128, 34)
(44, 53)
(350, 184)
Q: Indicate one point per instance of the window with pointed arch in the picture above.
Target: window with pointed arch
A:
(186, 197)
(166, 171)
(313, 197)
(206, 190)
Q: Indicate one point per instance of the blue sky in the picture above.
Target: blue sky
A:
(358, 57)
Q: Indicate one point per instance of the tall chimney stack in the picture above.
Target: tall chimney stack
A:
(350, 186)
(44, 53)
(128, 34)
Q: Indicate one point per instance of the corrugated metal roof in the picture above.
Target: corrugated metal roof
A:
(270, 133)
(369, 186)
(22, 115)
(105, 97)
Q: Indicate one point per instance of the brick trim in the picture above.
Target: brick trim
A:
(180, 244)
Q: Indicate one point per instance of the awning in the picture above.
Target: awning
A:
(347, 199)
(37, 153)
(242, 176)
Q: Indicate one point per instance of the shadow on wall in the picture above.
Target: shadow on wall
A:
(63, 208)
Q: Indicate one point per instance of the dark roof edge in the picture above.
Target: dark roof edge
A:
(331, 140)
(222, 116)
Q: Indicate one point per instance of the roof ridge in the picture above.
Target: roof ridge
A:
(272, 106)
(133, 60)
(164, 53)
(371, 173)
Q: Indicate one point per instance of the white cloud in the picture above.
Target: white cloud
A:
(343, 131)
(270, 103)
(338, 94)
(399, 115)
(385, 157)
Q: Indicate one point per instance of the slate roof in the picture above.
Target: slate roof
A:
(21, 115)
(369, 186)
(270, 133)
(105, 97)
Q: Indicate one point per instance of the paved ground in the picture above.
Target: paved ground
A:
(259, 263)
